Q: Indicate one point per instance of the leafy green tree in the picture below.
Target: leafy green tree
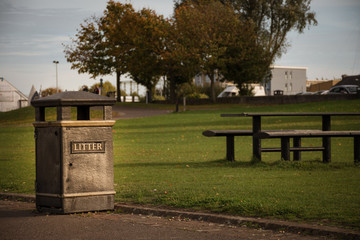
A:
(117, 24)
(245, 60)
(107, 87)
(272, 21)
(208, 28)
(84, 88)
(145, 62)
(88, 51)
(49, 91)
(180, 62)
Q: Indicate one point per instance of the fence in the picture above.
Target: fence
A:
(280, 99)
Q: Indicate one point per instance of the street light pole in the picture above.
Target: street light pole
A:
(101, 86)
(56, 63)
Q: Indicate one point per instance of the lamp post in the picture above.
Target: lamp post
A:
(101, 86)
(56, 63)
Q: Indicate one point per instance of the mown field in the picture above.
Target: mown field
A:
(165, 160)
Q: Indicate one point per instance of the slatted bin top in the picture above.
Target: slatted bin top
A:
(79, 99)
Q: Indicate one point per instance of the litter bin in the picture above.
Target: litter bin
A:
(74, 158)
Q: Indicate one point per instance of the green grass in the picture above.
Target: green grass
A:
(165, 160)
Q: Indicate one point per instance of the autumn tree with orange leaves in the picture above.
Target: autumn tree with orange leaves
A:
(145, 63)
(237, 38)
(97, 50)
(122, 41)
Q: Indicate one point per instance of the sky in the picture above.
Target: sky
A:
(32, 34)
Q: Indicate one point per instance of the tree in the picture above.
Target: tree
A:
(117, 24)
(207, 27)
(49, 91)
(84, 88)
(88, 53)
(180, 62)
(121, 41)
(145, 62)
(107, 87)
(272, 21)
(245, 60)
(97, 49)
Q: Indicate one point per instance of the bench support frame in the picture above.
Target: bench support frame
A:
(326, 140)
(297, 153)
(326, 148)
(230, 148)
(230, 139)
(357, 150)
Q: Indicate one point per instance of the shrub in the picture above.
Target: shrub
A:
(158, 98)
(49, 91)
(198, 96)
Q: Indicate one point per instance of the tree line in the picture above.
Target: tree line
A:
(237, 39)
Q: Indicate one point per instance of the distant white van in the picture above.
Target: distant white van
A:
(130, 99)
(229, 91)
(233, 91)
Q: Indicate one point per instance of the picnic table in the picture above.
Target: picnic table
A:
(326, 126)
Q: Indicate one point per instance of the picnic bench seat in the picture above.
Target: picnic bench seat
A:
(229, 134)
(298, 134)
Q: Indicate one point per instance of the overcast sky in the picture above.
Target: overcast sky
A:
(33, 31)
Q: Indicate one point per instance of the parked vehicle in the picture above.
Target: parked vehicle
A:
(229, 91)
(305, 93)
(324, 92)
(344, 89)
(321, 92)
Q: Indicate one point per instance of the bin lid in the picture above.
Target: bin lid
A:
(73, 98)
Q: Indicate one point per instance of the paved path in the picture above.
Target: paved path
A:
(19, 220)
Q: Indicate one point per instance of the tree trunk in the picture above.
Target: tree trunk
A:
(149, 95)
(177, 105)
(118, 90)
(212, 81)
(172, 90)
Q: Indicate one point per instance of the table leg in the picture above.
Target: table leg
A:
(297, 154)
(357, 150)
(230, 148)
(326, 126)
(285, 148)
(256, 140)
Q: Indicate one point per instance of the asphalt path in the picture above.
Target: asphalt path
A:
(20, 220)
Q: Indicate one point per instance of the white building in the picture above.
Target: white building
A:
(290, 80)
(10, 97)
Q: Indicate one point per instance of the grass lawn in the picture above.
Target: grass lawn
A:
(165, 160)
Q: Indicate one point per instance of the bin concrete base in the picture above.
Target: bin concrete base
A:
(74, 203)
